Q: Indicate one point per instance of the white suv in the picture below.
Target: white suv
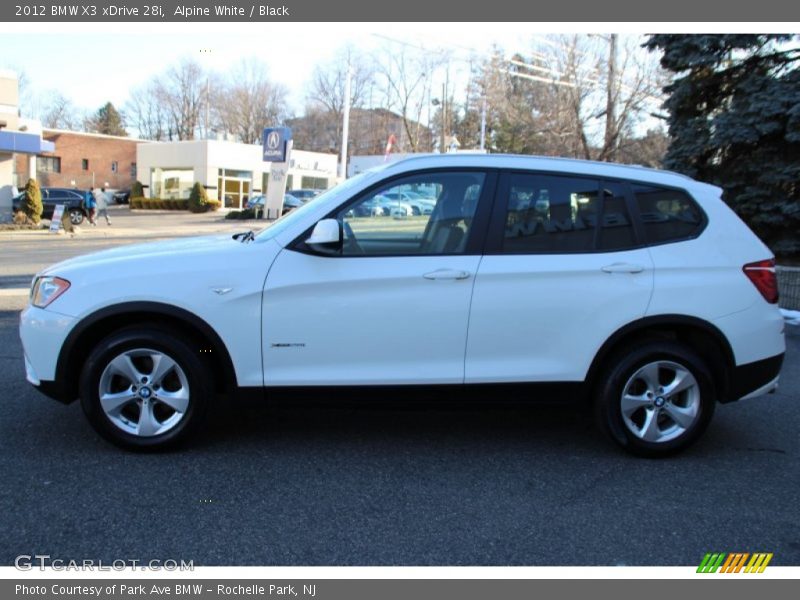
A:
(637, 289)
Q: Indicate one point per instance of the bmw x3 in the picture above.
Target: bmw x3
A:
(636, 289)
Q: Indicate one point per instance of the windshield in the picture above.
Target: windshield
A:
(290, 218)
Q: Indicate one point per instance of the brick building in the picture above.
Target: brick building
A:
(83, 160)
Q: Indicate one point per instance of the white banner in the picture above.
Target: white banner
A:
(55, 222)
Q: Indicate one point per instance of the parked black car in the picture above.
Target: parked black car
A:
(51, 196)
(305, 195)
(122, 196)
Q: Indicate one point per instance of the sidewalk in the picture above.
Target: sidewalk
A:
(126, 223)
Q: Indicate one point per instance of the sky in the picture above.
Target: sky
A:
(91, 65)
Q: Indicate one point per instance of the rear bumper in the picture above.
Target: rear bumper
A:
(755, 378)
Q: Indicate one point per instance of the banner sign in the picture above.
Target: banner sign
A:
(58, 214)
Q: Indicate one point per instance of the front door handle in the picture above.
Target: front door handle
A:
(447, 274)
(622, 268)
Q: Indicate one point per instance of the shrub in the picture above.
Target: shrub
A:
(137, 191)
(158, 204)
(198, 199)
(20, 218)
(213, 204)
(32, 202)
(247, 213)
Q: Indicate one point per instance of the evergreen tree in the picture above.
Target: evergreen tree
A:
(734, 120)
(137, 190)
(107, 120)
(32, 203)
(198, 199)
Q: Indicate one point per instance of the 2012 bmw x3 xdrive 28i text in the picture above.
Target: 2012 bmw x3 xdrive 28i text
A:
(639, 287)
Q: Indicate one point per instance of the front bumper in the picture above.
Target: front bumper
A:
(755, 379)
(43, 333)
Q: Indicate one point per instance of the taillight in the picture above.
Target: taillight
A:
(762, 274)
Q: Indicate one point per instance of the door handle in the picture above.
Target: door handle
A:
(622, 268)
(446, 274)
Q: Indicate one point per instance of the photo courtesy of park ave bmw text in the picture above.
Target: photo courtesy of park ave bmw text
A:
(340, 300)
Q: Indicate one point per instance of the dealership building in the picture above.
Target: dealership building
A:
(18, 137)
(229, 171)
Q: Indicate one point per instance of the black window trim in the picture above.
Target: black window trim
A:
(478, 230)
(495, 235)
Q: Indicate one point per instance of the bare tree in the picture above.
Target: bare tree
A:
(406, 79)
(181, 91)
(61, 113)
(578, 95)
(328, 81)
(326, 96)
(145, 112)
(608, 83)
(249, 101)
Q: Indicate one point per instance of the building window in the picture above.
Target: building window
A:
(314, 183)
(85, 164)
(114, 166)
(48, 164)
(133, 169)
(171, 184)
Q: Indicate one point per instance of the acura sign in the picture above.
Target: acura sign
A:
(274, 143)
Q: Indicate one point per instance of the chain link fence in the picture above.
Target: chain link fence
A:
(789, 287)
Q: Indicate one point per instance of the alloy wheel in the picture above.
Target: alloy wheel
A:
(144, 392)
(660, 401)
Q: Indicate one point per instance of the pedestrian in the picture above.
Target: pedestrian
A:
(102, 204)
(90, 204)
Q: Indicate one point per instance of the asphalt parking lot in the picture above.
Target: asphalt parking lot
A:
(384, 485)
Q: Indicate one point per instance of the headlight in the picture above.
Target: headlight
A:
(47, 289)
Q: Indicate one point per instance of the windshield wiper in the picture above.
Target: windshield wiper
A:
(245, 236)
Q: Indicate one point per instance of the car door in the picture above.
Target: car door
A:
(564, 270)
(390, 306)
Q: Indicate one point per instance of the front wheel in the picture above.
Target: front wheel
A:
(144, 388)
(655, 400)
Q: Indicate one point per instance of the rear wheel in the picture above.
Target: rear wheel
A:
(656, 399)
(76, 216)
(143, 388)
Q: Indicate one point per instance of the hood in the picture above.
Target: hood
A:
(165, 250)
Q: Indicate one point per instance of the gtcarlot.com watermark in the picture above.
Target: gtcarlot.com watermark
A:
(42, 562)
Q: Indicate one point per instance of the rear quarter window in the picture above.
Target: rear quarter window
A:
(667, 215)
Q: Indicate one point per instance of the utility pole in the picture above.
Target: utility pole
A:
(208, 102)
(611, 116)
(443, 115)
(483, 123)
(345, 123)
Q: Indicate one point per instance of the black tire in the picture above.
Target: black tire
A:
(76, 216)
(144, 339)
(619, 372)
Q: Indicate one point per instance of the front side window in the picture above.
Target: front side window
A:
(419, 215)
(552, 214)
(667, 215)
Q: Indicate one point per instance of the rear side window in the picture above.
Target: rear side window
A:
(667, 215)
(551, 214)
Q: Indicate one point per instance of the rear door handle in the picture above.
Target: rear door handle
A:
(447, 274)
(622, 268)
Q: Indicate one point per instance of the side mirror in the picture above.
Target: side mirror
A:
(327, 234)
